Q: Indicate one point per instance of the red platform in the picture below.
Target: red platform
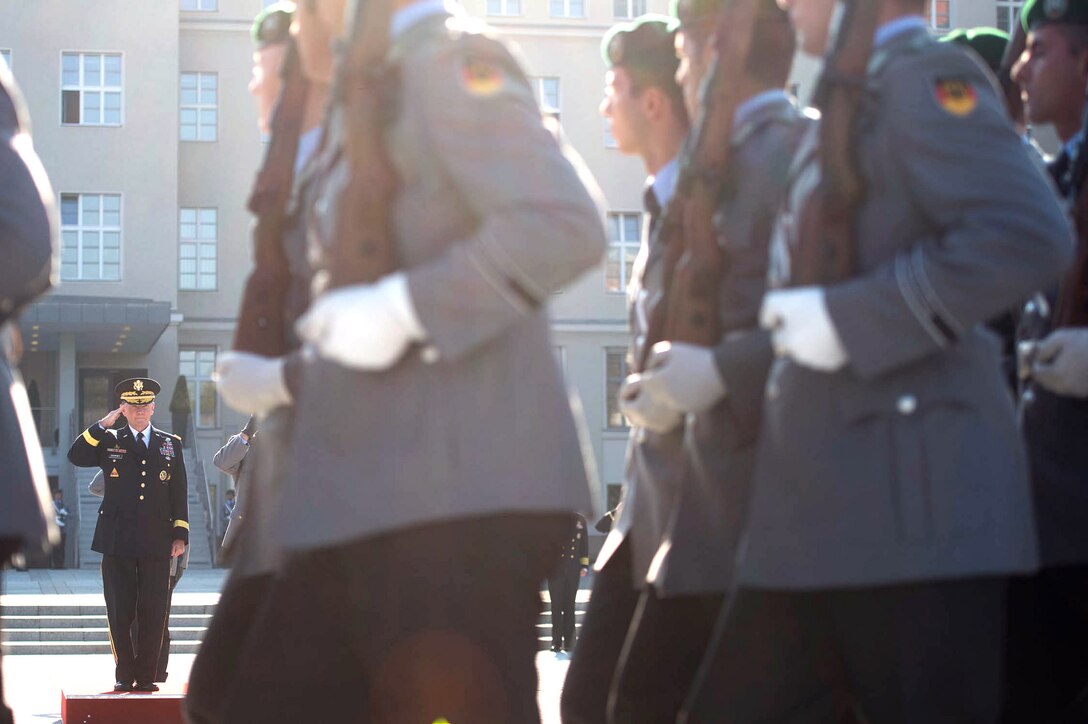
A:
(97, 707)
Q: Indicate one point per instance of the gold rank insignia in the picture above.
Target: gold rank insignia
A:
(164, 476)
(956, 96)
(481, 78)
(114, 474)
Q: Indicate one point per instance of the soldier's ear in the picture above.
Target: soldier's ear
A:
(652, 102)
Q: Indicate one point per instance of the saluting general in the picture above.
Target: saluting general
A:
(890, 500)
(143, 522)
(419, 516)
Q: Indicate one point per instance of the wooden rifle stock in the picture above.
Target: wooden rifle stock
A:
(363, 248)
(1072, 308)
(1010, 90)
(827, 252)
(694, 262)
(262, 327)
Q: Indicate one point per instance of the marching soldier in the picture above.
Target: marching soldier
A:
(28, 241)
(645, 110)
(718, 389)
(890, 502)
(563, 585)
(1047, 671)
(437, 504)
(143, 522)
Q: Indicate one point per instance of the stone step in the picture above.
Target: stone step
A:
(11, 623)
(38, 648)
(57, 635)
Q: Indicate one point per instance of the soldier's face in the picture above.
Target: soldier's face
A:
(265, 83)
(1051, 75)
(810, 20)
(694, 53)
(623, 110)
(138, 415)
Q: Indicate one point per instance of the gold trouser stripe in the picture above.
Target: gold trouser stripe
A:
(584, 561)
(109, 631)
(181, 524)
(90, 440)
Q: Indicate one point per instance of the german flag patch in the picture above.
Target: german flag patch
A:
(957, 97)
(481, 78)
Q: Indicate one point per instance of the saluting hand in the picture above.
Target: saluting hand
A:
(108, 421)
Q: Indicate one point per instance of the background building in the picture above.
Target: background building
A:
(142, 118)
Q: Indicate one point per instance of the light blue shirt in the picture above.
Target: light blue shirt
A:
(409, 16)
(889, 30)
(664, 181)
(748, 108)
(307, 146)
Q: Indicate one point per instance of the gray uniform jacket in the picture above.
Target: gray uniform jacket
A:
(906, 465)
(698, 550)
(492, 215)
(27, 244)
(231, 459)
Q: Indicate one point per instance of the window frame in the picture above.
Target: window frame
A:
(566, 9)
(1009, 10)
(933, 15)
(81, 88)
(505, 11)
(199, 9)
(612, 392)
(622, 244)
(631, 14)
(199, 106)
(199, 242)
(537, 82)
(101, 229)
(195, 381)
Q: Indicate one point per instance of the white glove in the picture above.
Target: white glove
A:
(801, 328)
(251, 383)
(364, 326)
(683, 376)
(1061, 362)
(645, 411)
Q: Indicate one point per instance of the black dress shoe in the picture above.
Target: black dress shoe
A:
(122, 686)
(146, 687)
(557, 648)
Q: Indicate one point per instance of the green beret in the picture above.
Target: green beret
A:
(646, 44)
(1068, 12)
(273, 24)
(989, 43)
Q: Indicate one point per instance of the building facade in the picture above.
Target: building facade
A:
(142, 117)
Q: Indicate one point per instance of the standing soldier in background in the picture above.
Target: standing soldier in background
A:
(440, 513)
(645, 110)
(1047, 671)
(28, 229)
(231, 459)
(563, 584)
(718, 389)
(890, 502)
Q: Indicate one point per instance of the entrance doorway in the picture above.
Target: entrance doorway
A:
(96, 395)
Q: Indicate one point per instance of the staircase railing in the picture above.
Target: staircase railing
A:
(201, 483)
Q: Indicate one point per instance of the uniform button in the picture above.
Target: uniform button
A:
(143, 462)
(906, 404)
(143, 485)
(429, 354)
(141, 497)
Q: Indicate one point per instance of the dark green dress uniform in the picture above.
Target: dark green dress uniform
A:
(144, 509)
(563, 585)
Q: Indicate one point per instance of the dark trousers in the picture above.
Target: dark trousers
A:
(663, 650)
(608, 618)
(216, 663)
(926, 653)
(164, 649)
(1047, 668)
(136, 587)
(56, 556)
(563, 591)
(434, 621)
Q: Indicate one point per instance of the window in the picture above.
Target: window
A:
(90, 89)
(90, 237)
(204, 5)
(615, 372)
(628, 8)
(547, 94)
(625, 232)
(5, 53)
(197, 249)
(197, 365)
(199, 106)
(939, 14)
(504, 7)
(1008, 14)
(567, 8)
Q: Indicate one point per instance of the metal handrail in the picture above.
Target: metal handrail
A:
(201, 476)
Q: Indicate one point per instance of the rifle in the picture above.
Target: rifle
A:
(686, 310)
(827, 252)
(363, 248)
(262, 327)
(1013, 102)
(1072, 308)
